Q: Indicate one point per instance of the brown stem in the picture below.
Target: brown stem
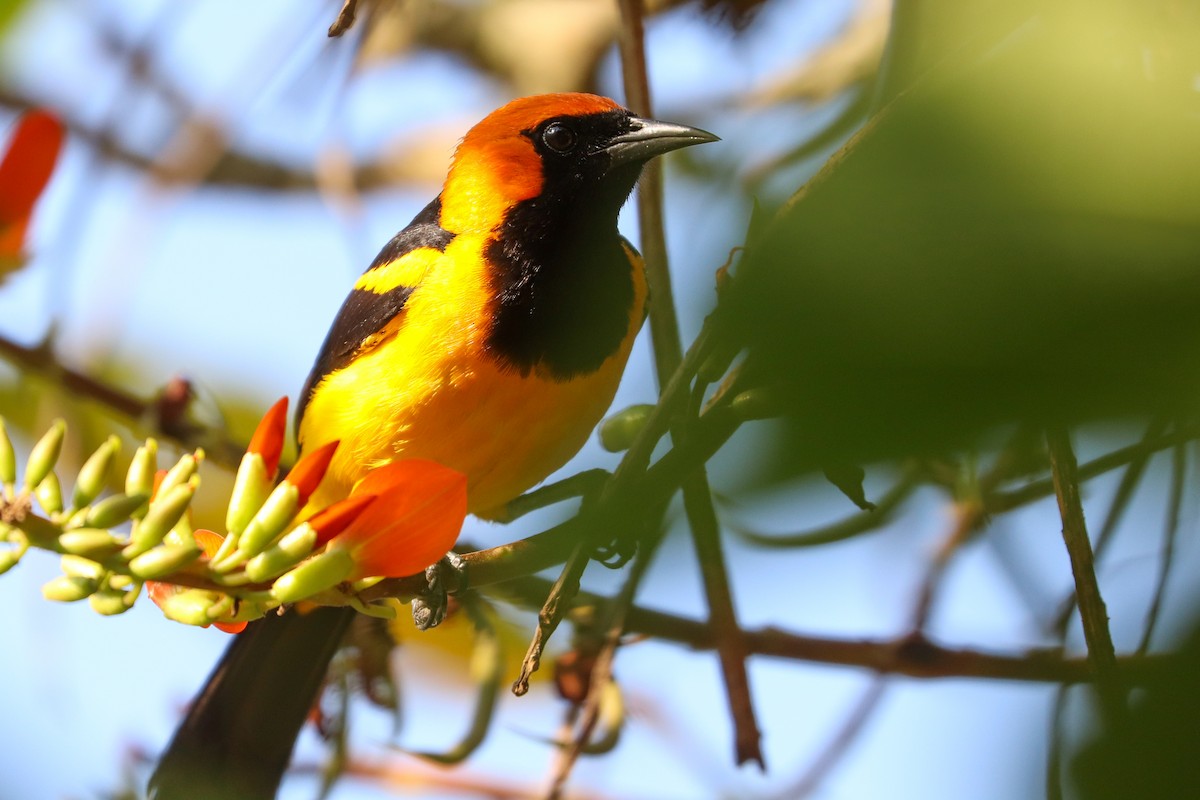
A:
(1092, 611)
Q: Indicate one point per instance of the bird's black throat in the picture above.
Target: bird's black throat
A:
(562, 281)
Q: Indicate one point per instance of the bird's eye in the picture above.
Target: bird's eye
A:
(558, 137)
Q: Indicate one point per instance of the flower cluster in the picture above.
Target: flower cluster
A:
(398, 520)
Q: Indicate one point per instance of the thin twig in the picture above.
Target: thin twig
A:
(1092, 611)
(218, 446)
(999, 502)
(602, 671)
(668, 353)
(1116, 511)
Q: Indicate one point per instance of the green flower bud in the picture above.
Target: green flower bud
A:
(251, 487)
(111, 602)
(140, 478)
(45, 454)
(112, 511)
(296, 545)
(163, 560)
(182, 472)
(69, 588)
(49, 494)
(618, 431)
(279, 509)
(89, 543)
(163, 515)
(80, 567)
(123, 583)
(189, 606)
(315, 575)
(93, 475)
(8, 457)
(9, 558)
(755, 404)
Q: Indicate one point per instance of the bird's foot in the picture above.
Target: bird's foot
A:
(429, 608)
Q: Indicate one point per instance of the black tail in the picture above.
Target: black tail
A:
(238, 736)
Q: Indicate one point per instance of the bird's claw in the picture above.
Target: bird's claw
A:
(429, 608)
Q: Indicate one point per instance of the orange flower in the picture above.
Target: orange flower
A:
(307, 474)
(24, 172)
(268, 437)
(417, 515)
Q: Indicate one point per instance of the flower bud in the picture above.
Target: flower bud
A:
(80, 567)
(8, 458)
(294, 547)
(279, 509)
(163, 560)
(93, 475)
(112, 511)
(69, 588)
(45, 454)
(181, 473)
(315, 575)
(189, 606)
(111, 602)
(9, 558)
(165, 512)
(251, 486)
(618, 431)
(752, 404)
(49, 494)
(89, 543)
(140, 478)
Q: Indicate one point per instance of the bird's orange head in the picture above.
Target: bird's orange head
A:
(561, 146)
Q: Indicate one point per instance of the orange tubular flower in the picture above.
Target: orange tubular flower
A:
(269, 436)
(309, 471)
(24, 172)
(418, 512)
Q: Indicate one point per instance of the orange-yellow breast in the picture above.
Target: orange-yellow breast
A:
(432, 392)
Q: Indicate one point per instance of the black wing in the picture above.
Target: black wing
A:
(364, 313)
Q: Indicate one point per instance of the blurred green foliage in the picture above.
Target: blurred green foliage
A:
(1014, 237)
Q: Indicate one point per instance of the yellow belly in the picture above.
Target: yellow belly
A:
(429, 391)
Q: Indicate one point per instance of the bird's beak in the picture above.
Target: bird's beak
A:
(649, 138)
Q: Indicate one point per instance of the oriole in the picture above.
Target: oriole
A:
(489, 335)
